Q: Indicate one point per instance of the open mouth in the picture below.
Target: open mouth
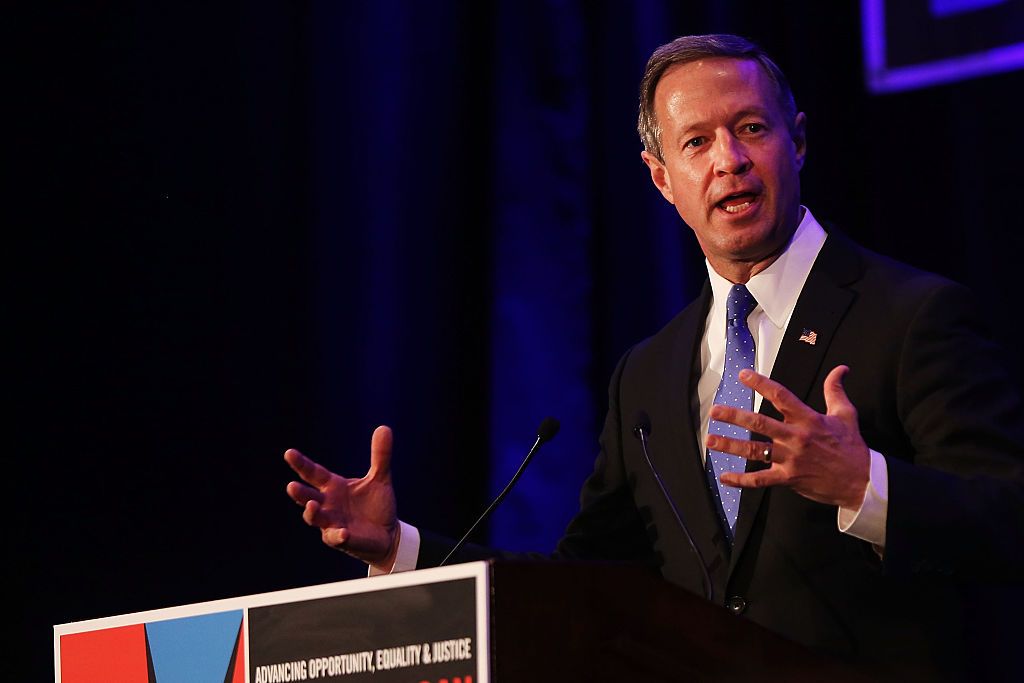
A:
(737, 203)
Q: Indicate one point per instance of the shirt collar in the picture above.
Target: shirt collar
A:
(777, 287)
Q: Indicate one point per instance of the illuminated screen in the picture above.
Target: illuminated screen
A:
(917, 43)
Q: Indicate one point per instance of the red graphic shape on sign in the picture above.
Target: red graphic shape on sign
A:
(238, 661)
(112, 655)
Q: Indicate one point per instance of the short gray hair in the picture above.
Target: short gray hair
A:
(689, 49)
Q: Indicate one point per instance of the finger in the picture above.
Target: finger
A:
(314, 515)
(311, 472)
(310, 512)
(745, 448)
(836, 401)
(781, 397)
(755, 422)
(335, 537)
(380, 454)
(302, 494)
(773, 476)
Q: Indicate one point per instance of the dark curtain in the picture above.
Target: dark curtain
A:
(242, 227)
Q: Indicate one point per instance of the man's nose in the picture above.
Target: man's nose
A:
(730, 156)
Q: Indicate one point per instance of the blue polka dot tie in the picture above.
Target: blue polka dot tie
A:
(739, 354)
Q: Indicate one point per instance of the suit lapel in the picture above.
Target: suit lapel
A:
(823, 302)
(677, 457)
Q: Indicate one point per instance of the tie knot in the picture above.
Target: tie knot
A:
(740, 303)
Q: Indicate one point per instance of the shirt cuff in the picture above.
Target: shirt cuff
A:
(868, 521)
(408, 551)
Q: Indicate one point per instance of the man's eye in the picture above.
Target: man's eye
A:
(695, 142)
(753, 127)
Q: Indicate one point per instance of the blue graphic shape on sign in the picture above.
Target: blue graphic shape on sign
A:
(193, 649)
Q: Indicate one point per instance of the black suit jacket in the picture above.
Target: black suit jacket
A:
(932, 397)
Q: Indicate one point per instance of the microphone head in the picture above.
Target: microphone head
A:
(547, 430)
(641, 423)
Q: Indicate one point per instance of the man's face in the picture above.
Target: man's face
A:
(731, 161)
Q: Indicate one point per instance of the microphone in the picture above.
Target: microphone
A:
(642, 430)
(545, 432)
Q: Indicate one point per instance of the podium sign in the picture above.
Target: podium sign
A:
(425, 626)
(489, 622)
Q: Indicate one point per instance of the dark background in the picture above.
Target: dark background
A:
(239, 227)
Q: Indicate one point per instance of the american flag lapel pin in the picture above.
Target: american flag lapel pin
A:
(809, 337)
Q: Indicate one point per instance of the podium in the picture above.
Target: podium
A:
(477, 622)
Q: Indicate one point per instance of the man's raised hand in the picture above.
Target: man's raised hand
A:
(357, 516)
(821, 457)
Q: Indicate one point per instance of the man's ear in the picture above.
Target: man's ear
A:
(800, 138)
(658, 175)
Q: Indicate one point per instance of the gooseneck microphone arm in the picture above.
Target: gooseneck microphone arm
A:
(547, 430)
(641, 430)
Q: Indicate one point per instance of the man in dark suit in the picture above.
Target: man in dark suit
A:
(851, 502)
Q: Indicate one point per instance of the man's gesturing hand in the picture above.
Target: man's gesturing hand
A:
(821, 457)
(357, 516)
